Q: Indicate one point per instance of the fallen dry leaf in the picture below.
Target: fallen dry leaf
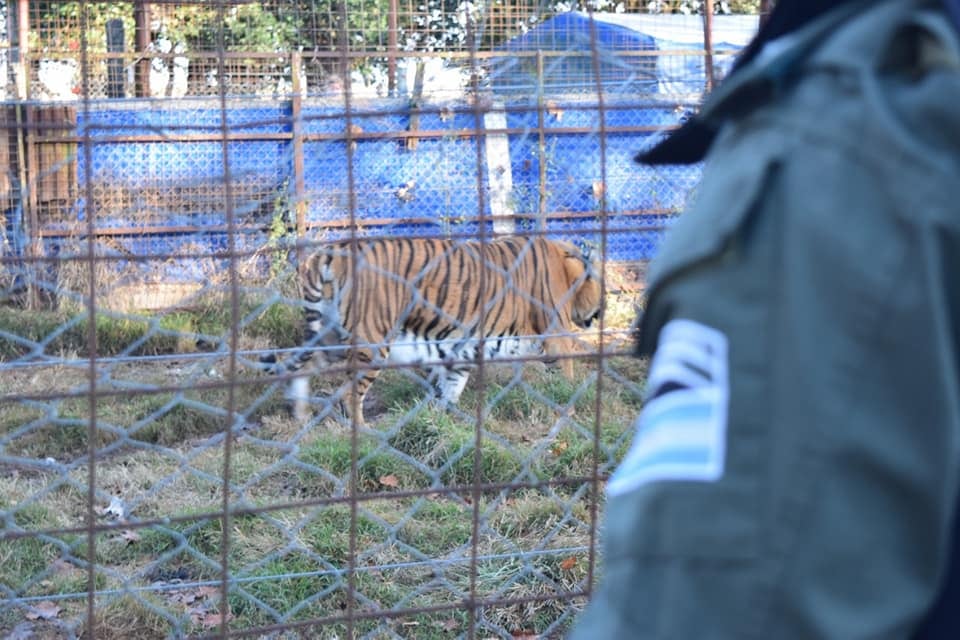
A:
(60, 565)
(208, 619)
(44, 610)
(130, 535)
(389, 480)
(188, 597)
(449, 624)
(208, 591)
(568, 563)
(213, 618)
(183, 597)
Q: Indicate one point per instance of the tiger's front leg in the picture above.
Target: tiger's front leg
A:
(561, 346)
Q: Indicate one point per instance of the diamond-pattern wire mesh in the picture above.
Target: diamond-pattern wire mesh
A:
(478, 520)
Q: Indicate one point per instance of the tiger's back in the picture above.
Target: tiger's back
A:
(434, 302)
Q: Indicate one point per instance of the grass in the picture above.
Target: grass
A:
(415, 525)
(66, 331)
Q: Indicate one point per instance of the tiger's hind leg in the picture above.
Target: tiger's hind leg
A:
(298, 397)
(319, 345)
(450, 383)
(363, 373)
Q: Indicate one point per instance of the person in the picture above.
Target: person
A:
(795, 469)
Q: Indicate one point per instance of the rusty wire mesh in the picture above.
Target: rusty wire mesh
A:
(152, 483)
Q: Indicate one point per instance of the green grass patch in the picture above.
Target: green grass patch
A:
(25, 559)
(114, 335)
(328, 533)
(540, 428)
(375, 463)
(526, 514)
(281, 325)
(397, 391)
(60, 441)
(437, 439)
(513, 404)
(66, 438)
(127, 617)
(14, 416)
(121, 546)
(438, 527)
(283, 584)
(29, 325)
(179, 331)
(565, 392)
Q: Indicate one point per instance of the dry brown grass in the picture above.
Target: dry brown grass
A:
(165, 460)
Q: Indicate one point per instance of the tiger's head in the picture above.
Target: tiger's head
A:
(583, 275)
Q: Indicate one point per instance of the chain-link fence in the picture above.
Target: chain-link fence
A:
(168, 169)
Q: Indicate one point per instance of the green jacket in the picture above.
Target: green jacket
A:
(797, 461)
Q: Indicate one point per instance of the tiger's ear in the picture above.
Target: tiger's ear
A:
(578, 272)
(586, 251)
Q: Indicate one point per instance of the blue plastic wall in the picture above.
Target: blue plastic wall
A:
(439, 176)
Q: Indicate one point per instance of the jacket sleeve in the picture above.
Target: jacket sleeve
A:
(823, 247)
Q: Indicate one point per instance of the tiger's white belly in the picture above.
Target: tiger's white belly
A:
(409, 348)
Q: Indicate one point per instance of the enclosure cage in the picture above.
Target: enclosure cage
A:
(167, 170)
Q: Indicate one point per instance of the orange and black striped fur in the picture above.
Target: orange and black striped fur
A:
(429, 301)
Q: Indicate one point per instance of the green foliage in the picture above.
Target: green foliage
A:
(280, 27)
(58, 26)
(281, 232)
(251, 27)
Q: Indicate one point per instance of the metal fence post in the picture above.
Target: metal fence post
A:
(141, 17)
(115, 44)
(708, 46)
(499, 175)
(24, 142)
(296, 113)
(541, 148)
(392, 48)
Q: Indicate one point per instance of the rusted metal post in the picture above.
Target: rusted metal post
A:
(115, 44)
(541, 146)
(764, 11)
(296, 113)
(392, 48)
(708, 45)
(25, 135)
(22, 38)
(141, 19)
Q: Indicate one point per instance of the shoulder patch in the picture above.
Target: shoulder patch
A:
(681, 431)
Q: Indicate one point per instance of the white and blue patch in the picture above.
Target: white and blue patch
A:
(681, 432)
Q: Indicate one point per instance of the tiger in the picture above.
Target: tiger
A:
(418, 301)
